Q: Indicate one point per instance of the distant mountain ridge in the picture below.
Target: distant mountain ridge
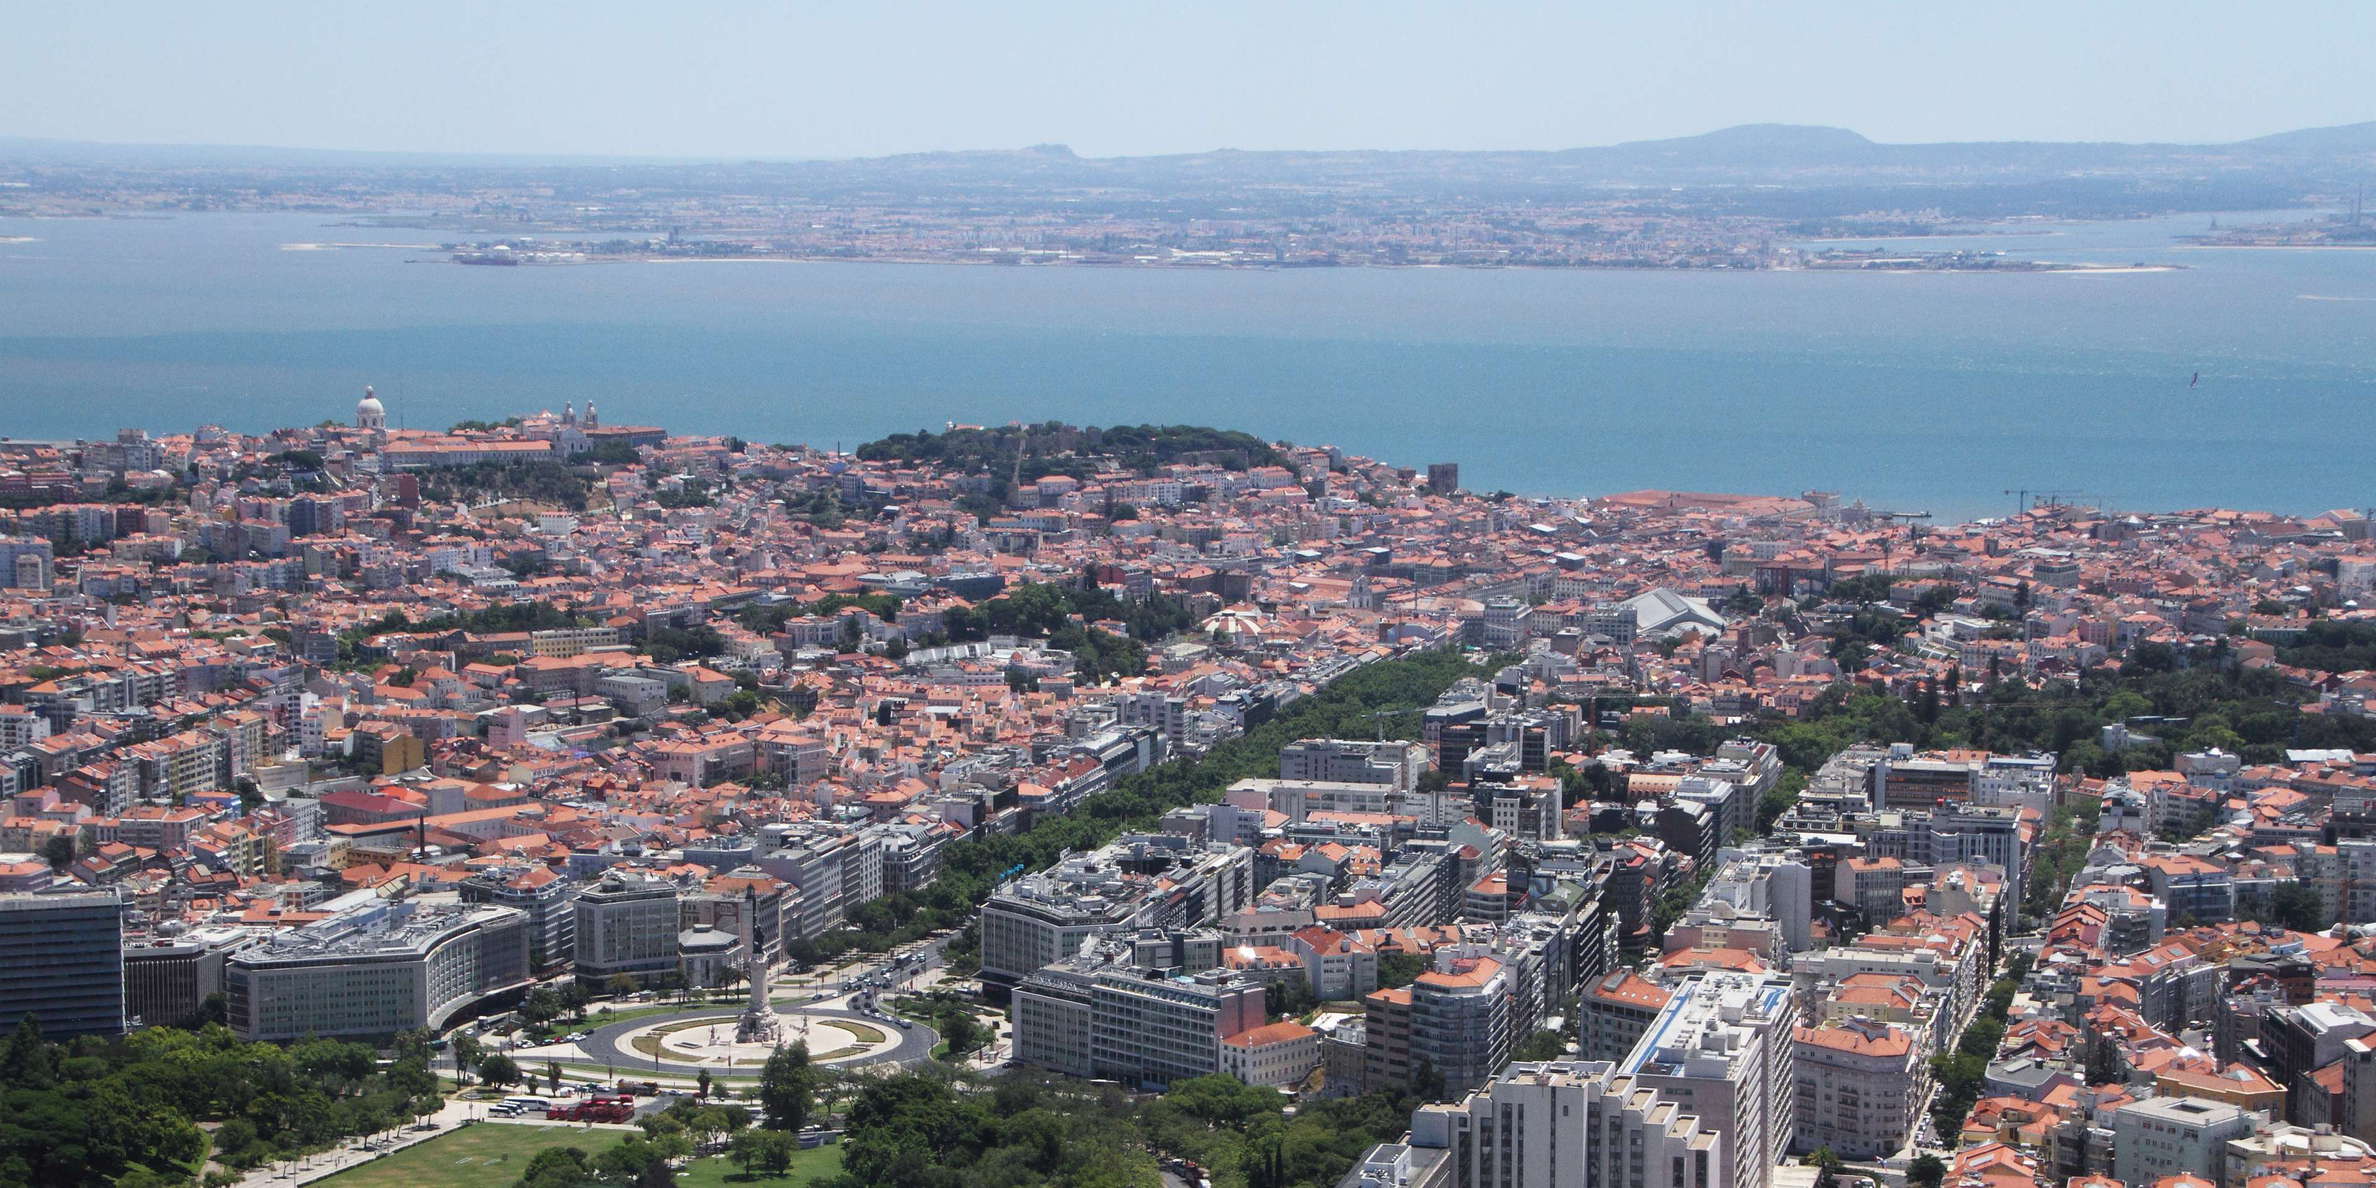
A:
(1761, 145)
(1788, 171)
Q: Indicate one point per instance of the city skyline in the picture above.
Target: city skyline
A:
(1761, 609)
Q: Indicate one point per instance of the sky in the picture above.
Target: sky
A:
(732, 78)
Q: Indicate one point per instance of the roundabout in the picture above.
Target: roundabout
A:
(705, 1040)
(712, 1041)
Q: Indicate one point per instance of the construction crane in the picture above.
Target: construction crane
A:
(1913, 533)
(2058, 497)
(1380, 716)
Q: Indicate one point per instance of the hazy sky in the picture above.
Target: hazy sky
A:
(847, 79)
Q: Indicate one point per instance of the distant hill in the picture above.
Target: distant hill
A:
(2339, 138)
(1784, 170)
(1743, 147)
(1764, 146)
(1074, 450)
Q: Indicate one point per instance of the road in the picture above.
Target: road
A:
(827, 994)
(609, 1045)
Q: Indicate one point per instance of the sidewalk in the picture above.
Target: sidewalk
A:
(307, 1169)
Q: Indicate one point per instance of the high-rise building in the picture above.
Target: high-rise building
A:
(311, 515)
(1860, 1086)
(25, 562)
(1150, 881)
(1721, 1049)
(167, 980)
(1097, 1014)
(1616, 1011)
(1443, 478)
(541, 894)
(1394, 762)
(1569, 1124)
(626, 923)
(1455, 1021)
(62, 962)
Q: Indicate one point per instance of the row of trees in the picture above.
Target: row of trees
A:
(1055, 448)
(127, 1109)
(971, 868)
(1032, 609)
(2331, 646)
(1045, 608)
(926, 1130)
(766, 619)
(542, 480)
(1962, 1072)
(2252, 712)
(787, 1088)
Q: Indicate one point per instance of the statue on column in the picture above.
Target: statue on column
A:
(758, 1024)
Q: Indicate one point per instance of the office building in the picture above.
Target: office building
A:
(167, 980)
(2167, 1136)
(62, 962)
(539, 893)
(1096, 1014)
(1148, 1028)
(1395, 763)
(1151, 881)
(626, 923)
(375, 971)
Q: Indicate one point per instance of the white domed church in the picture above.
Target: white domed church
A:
(370, 415)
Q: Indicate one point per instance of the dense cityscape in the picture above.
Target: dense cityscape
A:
(1752, 197)
(1160, 805)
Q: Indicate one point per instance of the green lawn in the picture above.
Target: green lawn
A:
(493, 1154)
(598, 1019)
(808, 1167)
(482, 1155)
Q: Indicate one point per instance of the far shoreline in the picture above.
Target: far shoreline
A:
(2009, 268)
(2276, 247)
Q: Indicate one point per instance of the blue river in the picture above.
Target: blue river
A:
(1930, 392)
